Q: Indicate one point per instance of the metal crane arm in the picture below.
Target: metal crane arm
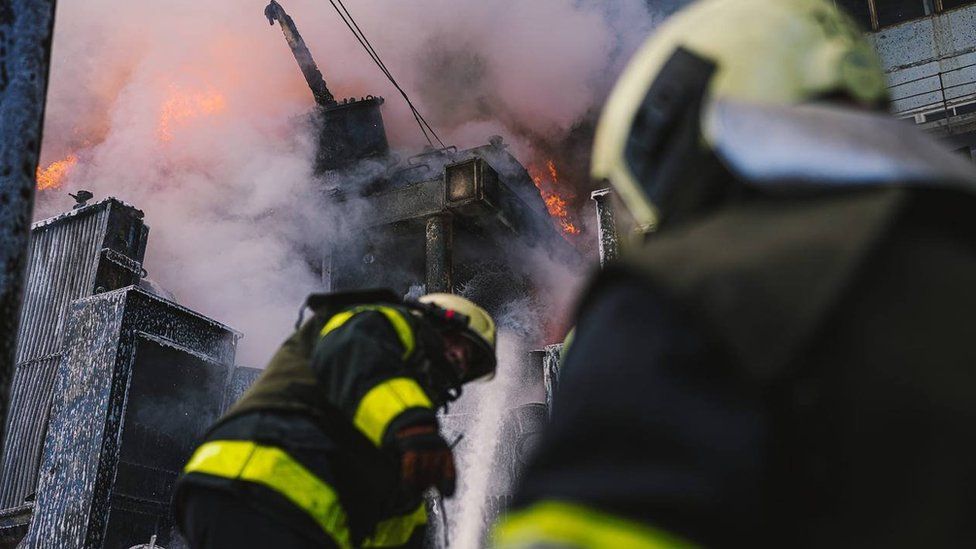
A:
(274, 12)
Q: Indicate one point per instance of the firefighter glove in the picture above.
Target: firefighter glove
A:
(425, 459)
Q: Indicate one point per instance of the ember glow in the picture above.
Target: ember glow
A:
(181, 106)
(555, 203)
(53, 175)
(179, 109)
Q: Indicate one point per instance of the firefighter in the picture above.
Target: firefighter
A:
(336, 442)
(783, 355)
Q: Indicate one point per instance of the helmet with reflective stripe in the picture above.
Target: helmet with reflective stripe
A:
(480, 327)
(771, 52)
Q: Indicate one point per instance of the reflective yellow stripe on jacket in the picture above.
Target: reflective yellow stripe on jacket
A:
(570, 525)
(400, 324)
(275, 469)
(388, 399)
(397, 530)
(384, 402)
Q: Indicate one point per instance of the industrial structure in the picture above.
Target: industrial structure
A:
(928, 50)
(419, 220)
(113, 386)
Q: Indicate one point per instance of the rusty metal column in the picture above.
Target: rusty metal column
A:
(25, 54)
(606, 225)
(440, 253)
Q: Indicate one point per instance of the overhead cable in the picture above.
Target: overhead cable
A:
(350, 22)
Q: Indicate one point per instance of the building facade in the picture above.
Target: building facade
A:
(928, 49)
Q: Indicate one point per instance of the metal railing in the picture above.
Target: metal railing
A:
(935, 100)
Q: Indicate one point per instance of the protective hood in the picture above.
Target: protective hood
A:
(824, 145)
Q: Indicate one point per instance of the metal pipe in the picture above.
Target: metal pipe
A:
(274, 12)
(440, 253)
(873, 13)
(551, 359)
(945, 105)
(25, 55)
(606, 225)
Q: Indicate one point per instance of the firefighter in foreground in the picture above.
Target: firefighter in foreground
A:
(334, 445)
(786, 358)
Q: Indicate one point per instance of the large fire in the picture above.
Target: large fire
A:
(53, 175)
(178, 108)
(182, 105)
(555, 203)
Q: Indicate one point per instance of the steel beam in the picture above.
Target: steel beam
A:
(440, 253)
(606, 225)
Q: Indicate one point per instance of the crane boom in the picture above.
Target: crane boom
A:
(274, 12)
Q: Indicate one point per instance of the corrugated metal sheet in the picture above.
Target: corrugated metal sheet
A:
(31, 402)
(67, 260)
(62, 263)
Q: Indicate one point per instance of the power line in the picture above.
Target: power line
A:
(368, 46)
(350, 22)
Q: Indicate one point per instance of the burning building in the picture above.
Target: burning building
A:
(435, 219)
(443, 220)
(115, 383)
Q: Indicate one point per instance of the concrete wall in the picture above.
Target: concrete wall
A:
(914, 53)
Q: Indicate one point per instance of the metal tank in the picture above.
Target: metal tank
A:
(139, 382)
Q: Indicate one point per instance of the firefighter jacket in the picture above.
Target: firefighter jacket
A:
(785, 371)
(311, 440)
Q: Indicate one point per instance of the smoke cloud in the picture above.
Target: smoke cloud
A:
(196, 113)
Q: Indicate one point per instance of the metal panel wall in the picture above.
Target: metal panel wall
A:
(74, 255)
(30, 404)
(68, 256)
(174, 395)
(240, 381)
(62, 266)
(140, 381)
(931, 65)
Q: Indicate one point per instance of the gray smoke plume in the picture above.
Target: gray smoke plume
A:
(195, 112)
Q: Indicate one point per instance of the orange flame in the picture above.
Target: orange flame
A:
(181, 106)
(555, 203)
(53, 175)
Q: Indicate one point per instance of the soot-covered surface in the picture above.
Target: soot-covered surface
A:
(74, 255)
(139, 381)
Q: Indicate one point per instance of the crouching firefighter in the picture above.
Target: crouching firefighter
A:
(336, 442)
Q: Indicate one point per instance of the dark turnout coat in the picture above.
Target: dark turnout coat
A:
(793, 369)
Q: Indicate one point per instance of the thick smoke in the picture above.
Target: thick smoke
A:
(196, 113)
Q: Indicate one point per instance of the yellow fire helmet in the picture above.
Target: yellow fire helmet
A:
(768, 52)
(480, 326)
